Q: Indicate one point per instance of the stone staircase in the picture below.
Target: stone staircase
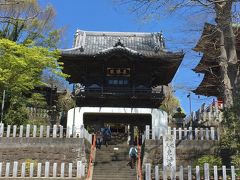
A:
(111, 162)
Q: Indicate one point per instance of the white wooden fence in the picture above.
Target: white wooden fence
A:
(34, 131)
(47, 169)
(190, 173)
(187, 134)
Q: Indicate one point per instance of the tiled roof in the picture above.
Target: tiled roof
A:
(91, 43)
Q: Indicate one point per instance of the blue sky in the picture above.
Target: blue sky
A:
(105, 15)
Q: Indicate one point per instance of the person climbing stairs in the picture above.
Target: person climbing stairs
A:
(111, 162)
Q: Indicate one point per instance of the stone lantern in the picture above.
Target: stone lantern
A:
(179, 116)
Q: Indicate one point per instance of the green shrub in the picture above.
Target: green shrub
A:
(28, 162)
(210, 159)
(236, 162)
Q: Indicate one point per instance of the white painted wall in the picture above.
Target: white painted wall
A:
(159, 117)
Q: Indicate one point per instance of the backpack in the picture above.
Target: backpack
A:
(134, 152)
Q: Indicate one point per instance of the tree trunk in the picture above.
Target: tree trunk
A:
(228, 55)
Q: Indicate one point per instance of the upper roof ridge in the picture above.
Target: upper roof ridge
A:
(119, 33)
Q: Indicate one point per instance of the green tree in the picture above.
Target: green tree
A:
(21, 66)
(24, 21)
(170, 102)
(22, 63)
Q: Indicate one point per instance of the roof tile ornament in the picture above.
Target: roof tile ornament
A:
(119, 43)
(159, 42)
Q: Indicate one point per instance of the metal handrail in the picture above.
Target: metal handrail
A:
(139, 169)
(91, 156)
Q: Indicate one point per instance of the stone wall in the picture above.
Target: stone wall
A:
(44, 149)
(187, 151)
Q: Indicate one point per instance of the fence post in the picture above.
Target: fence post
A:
(23, 171)
(164, 173)
(143, 138)
(68, 132)
(8, 131)
(54, 169)
(233, 172)
(212, 133)
(55, 131)
(169, 131)
(156, 172)
(31, 169)
(0, 169)
(201, 134)
(215, 173)
(197, 173)
(83, 170)
(28, 131)
(153, 132)
(173, 173)
(70, 170)
(190, 133)
(218, 134)
(34, 131)
(48, 132)
(1, 129)
(41, 131)
(189, 172)
(83, 132)
(206, 171)
(74, 132)
(181, 173)
(62, 169)
(46, 169)
(224, 173)
(207, 134)
(175, 133)
(185, 133)
(61, 131)
(180, 133)
(39, 170)
(7, 169)
(147, 131)
(21, 131)
(15, 169)
(14, 131)
(79, 167)
(196, 133)
(148, 171)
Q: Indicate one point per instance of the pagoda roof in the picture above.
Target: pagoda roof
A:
(205, 64)
(209, 39)
(91, 43)
(209, 45)
(210, 86)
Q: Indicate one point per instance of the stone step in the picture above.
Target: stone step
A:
(113, 164)
(123, 175)
(114, 173)
(100, 178)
